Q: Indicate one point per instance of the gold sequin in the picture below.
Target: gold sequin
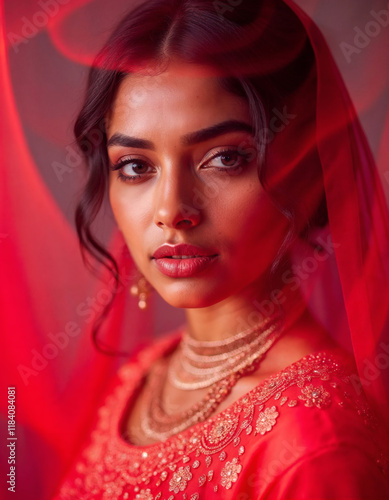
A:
(202, 479)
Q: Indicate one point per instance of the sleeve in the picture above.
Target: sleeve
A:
(344, 473)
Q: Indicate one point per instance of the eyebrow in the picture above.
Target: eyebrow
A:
(202, 135)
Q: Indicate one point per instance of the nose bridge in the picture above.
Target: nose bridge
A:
(174, 197)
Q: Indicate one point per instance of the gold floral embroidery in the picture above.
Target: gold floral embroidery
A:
(180, 479)
(230, 473)
(220, 430)
(315, 396)
(111, 468)
(266, 420)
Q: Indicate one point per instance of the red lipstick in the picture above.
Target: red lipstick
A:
(183, 261)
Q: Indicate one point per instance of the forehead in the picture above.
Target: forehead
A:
(188, 97)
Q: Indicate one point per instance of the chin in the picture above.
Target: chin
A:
(191, 299)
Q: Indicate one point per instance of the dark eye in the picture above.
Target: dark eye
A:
(227, 160)
(134, 167)
(131, 169)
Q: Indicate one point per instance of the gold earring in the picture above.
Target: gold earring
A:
(141, 289)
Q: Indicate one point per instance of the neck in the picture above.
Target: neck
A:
(244, 310)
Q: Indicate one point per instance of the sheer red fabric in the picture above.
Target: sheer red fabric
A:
(354, 190)
(49, 300)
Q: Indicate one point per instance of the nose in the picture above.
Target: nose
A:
(174, 201)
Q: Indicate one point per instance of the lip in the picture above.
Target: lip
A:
(197, 260)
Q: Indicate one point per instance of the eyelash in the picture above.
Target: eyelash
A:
(132, 178)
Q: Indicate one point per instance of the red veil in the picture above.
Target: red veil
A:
(49, 300)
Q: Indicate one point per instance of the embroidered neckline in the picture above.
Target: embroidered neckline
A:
(166, 345)
(210, 456)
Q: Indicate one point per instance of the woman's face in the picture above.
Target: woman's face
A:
(188, 175)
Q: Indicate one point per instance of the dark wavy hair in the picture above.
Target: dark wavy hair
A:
(263, 54)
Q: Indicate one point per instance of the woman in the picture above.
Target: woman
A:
(222, 165)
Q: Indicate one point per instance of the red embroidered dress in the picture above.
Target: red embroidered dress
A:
(304, 433)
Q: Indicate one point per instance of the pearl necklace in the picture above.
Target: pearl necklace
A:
(159, 425)
(197, 364)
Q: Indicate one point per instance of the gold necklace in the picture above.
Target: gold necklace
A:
(159, 425)
(198, 364)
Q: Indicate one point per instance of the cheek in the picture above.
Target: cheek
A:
(131, 216)
(250, 223)
(117, 203)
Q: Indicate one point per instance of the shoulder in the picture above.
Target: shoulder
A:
(310, 421)
(317, 400)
